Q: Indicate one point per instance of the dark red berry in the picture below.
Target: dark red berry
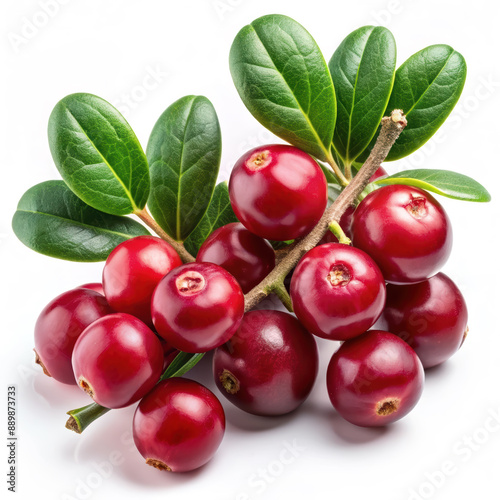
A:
(374, 379)
(197, 307)
(60, 324)
(431, 316)
(269, 366)
(132, 271)
(117, 360)
(278, 192)
(337, 291)
(179, 425)
(249, 258)
(97, 287)
(405, 230)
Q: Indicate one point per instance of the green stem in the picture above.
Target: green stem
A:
(81, 418)
(336, 170)
(281, 292)
(337, 230)
(348, 171)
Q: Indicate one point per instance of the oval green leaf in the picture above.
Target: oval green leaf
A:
(218, 214)
(98, 154)
(427, 87)
(443, 182)
(362, 70)
(184, 153)
(51, 220)
(283, 80)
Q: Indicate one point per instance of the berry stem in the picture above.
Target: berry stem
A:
(176, 245)
(392, 126)
(337, 230)
(81, 418)
(281, 292)
(340, 176)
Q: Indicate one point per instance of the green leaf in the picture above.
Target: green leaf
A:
(184, 153)
(443, 182)
(98, 154)
(181, 364)
(284, 81)
(333, 192)
(51, 220)
(426, 88)
(362, 70)
(329, 175)
(218, 214)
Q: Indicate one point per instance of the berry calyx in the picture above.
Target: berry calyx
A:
(374, 379)
(269, 366)
(337, 291)
(197, 307)
(406, 232)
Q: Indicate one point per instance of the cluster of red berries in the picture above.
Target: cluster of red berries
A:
(115, 341)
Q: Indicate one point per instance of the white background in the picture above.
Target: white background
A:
(109, 48)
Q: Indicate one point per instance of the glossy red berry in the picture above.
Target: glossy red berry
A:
(96, 287)
(374, 379)
(117, 360)
(179, 425)
(60, 324)
(248, 257)
(337, 291)
(269, 366)
(197, 307)
(132, 271)
(431, 316)
(278, 192)
(406, 232)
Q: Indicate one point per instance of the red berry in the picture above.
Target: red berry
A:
(197, 307)
(179, 425)
(117, 360)
(337, 291)
(278, 192)
(132, 271)
(374, 379)
(431, 316)
(269, 366)
(379, 173)
(249, 258)
(406, 232)
(60, 324)
(96, 287)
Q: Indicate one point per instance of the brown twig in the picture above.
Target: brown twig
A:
(177, 245)
(392, 126)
